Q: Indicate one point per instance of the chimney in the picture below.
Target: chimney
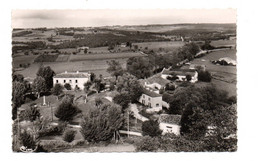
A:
(77, 72)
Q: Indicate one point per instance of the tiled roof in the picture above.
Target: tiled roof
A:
(150, 93)
(71, 75)
(170, 119)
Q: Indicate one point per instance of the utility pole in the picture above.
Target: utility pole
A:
(128, 123)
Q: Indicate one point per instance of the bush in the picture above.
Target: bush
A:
(151, 128)
(69, 135)
(67, 86)
(148, 144)
(100, 124)
(26, 139)
(53, 130)
(204, 76)
(66, 110)
(31, 114)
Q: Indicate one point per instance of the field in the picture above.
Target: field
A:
(25, 59)
(96, 66)
(166, 45)
(217, 43)
(226, 74)
(104, 56)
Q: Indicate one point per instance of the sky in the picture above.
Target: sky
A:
(109, 17)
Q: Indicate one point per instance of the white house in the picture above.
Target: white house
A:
(76, 79)
(181, 74)
(170, 123)
(152, 100)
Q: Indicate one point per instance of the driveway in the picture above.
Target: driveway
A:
(135, 111)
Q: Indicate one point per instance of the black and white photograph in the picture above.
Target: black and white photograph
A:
(107, 80)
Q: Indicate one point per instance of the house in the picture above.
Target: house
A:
(155, 82)
(181, 74)
(76, 80)
(170, 123)
(84, 48)
(151, 99)
(123, 45)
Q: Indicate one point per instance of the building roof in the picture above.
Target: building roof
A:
(155, 79)
(151, 93)
(170, 119)
(179, 71)
(71, 75)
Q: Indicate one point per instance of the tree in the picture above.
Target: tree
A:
(67, 86)
(18, 91)
(114, 68)
(57, 89)
(69, 135)
(92, 77)
(47, 74)
(188, 77)
(100, 124)
(122, 99)
(151, 128)
(140, 67)
(87, 85)
(18, 77)
(31, 114)
(39, 85)
(129, 84)
(26, 139)
(66, 110)
(188, 51)
(204, 76)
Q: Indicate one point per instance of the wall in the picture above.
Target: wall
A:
(153, 101)
(173, 128)
(73, 83)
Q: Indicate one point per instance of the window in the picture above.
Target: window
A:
(64, 81)
(143, 101)
(149, 99)
(76, 81)
(57, 81)
(149, 104)
(70, 81)
(143, 96)
(157, 104)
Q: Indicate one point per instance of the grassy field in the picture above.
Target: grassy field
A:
(104, 56)
(166, 45)
(227, 74)
(96, 66)
(24, 59)
(223, 43)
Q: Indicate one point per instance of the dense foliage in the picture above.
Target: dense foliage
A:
(114, 68)
(100, 124)
(57, 89)
(66, 110)
(39, 85)
(204, 76)
(47, 74)
(151, 128)
(129, 84)
(69, 135)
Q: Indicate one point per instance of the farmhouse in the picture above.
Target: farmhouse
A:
(151, 99)
(76, 80)
(84, 48)
(181, 74)
(170, 123)
(155, 82)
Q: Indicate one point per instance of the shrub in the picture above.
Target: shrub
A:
(66, 110)
(69, 135)
(204, 76)
(26, 139)
(188, 77)
(31, 114)
(148, 144)
(101, 123)
(53, 130)
(151, 128)
(67, 86)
